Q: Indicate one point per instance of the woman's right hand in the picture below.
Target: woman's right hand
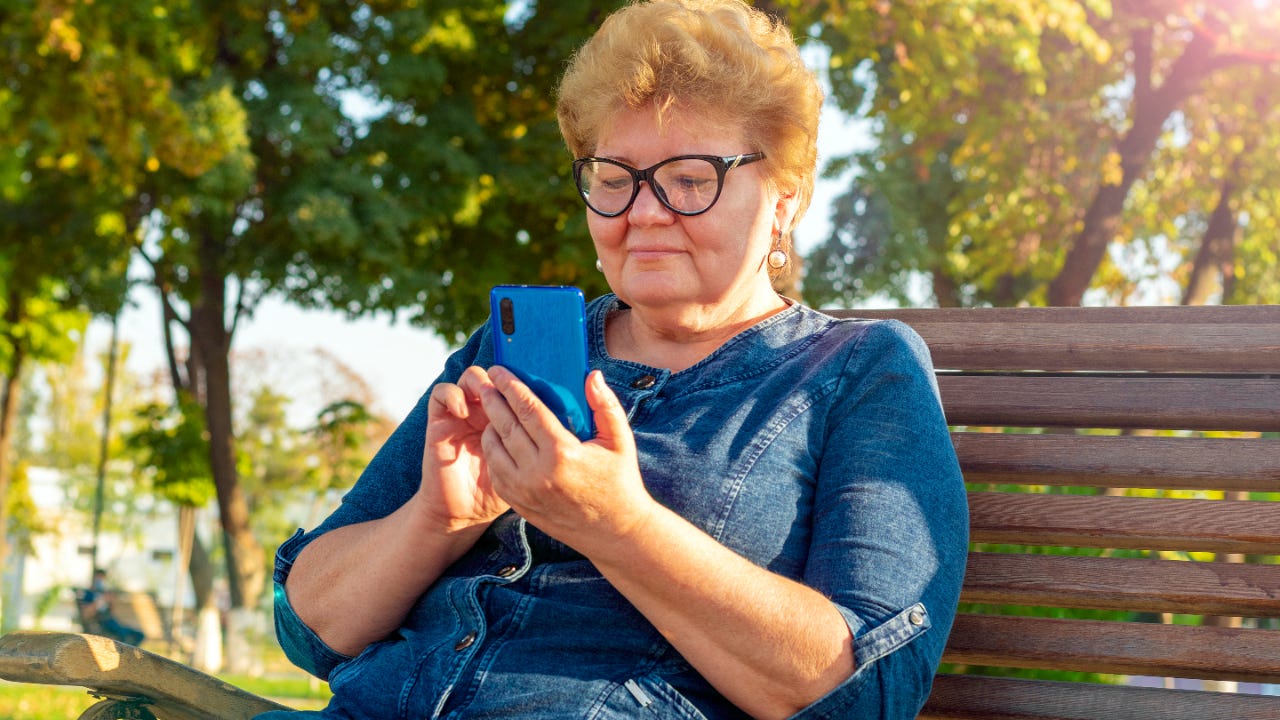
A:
(355, 584)
(456, 490)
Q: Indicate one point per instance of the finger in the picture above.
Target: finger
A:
(612, 428)
(539, 423)
(461, 400)
(502, 467)
(504, 419)
(448, 398)
(474, 379)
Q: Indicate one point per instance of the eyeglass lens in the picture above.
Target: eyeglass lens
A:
(686, 185)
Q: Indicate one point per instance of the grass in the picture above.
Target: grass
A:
(20, 701)
(298, 692)
(41, 702)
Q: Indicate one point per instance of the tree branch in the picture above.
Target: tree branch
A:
(168, 316)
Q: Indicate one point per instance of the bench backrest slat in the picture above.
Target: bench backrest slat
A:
(1116, 583)
(1212, 653)
(1120, 461)
(1126, 522)
(1181, 403)
(1186, 339)
(955, 697)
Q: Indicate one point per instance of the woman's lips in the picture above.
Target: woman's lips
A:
(652, 253)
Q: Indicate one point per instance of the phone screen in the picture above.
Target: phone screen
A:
(539, 333)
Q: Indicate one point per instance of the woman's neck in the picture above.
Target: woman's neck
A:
(681, 339)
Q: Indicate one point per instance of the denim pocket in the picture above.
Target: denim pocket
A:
(647, 695)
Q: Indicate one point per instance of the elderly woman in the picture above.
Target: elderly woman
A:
(770, 520)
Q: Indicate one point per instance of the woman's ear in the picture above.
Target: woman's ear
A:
(785, 212)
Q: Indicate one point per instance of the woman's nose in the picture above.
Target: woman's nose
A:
(648, 209)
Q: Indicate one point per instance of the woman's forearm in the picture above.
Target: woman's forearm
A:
(355, 584)
(771, 645)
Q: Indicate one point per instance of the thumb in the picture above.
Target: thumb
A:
(612, 428)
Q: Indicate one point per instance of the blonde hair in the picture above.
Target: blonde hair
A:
(720, 59)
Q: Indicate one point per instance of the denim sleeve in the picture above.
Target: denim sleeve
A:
(300, 644)
(890, 526)
(387, 482)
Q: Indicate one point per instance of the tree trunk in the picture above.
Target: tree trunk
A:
(9, 395)
(208, 650)
(211, 340)
(8, 413)
(208, 339)
(1216, 257)
(245, 568)
(1149, 110)
(206, 654)
(945, 290)
(202, 570)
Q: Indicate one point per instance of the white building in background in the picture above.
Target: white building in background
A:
(39, 586)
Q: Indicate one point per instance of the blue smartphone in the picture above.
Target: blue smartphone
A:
(540, 334)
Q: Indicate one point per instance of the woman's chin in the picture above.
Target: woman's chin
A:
(653, 288)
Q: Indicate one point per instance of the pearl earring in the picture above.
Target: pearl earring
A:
(777, 259)
(599, 265)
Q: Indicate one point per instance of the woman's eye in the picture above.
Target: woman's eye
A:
(689, 183)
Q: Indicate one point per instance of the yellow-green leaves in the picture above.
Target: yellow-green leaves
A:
(1031, 110)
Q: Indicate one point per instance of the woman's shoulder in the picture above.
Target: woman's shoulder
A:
(870, 341)
(848, 326)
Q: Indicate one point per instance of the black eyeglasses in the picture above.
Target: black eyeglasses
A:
(685, 184)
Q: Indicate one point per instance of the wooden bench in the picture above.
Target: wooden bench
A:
(1144, 441)
(1179, 405)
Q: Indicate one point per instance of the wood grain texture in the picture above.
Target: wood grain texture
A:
(1160, 339)
(963, 697)
(1126, 522)
(1175, 403)
(1120, 461)
(1133, 584)
(1124, 648)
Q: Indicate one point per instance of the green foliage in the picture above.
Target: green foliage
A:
(343, 442)
(271, 457)
(172, 445)
(35, 319)
(996, 123)
(25, 522)
(891, 226)
(396, 156)
(389, 156)
(49, 600)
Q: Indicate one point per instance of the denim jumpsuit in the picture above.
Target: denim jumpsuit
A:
(813, 446)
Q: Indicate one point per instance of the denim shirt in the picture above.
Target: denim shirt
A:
(813, 446)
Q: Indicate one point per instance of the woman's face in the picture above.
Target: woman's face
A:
(655, 258)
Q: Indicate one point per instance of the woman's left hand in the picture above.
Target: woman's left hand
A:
(577, 492)
(772, 645)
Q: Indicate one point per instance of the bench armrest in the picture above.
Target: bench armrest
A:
(175, 691)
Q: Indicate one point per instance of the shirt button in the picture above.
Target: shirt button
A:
(916, 617)
(465, 642)
(507, 571)
(644, 382)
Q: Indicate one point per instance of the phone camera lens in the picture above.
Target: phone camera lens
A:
(507, 315)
